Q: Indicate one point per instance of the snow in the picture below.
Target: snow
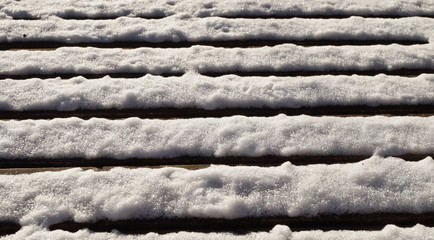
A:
(373, 185)
(285, 57)
(229, 91)
(182, 28)
(231, 136)
(279, 232)
(162, 8)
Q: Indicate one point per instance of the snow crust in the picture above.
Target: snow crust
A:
(232, 136)
(225, 8)
(373, 185)
(229, 91)
(285, 57)
(182, 28)
(279, 232)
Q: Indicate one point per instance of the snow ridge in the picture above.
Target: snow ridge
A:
(285, 57)
(196, 91)
(373, 185)
(182, 28)
(232, 136)
(225, 8)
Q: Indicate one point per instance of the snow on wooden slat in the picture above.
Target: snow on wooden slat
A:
(375, 185)
(177, 29)
(202, 92)
(281, 58)
(32, 9)
(218, 137)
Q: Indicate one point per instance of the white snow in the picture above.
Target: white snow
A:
(373, 185)
(285, 57)
(161, 8)
(231, 136)
(279, 232)
(197, 91)
(181, 28)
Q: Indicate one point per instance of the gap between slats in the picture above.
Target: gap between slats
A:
(50, 45)
(66, 75)
(193, 160)
(375, 221)
(171, 113)
(247, 15)
(370, 222)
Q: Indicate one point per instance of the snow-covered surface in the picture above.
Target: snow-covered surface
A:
(279, 232)
(197, 91)
(161, 8)
(231, 136)
(181, 28)
(285, 57)
(373, 185)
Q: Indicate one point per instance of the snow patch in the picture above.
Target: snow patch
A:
(373, 185)
(230, 91)
(231, 136)
(285, 57)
